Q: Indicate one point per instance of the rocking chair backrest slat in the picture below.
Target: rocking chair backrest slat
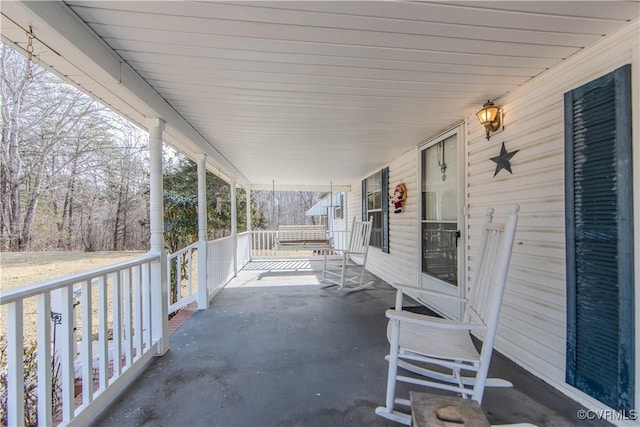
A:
(359, 238)
(485, 284)
(492, 264)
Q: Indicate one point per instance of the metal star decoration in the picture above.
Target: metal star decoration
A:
(502, 160)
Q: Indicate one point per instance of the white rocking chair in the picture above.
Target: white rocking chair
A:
(446, 344)
(348, 269)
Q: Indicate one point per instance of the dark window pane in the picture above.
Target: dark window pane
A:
(376, 229)
(440, 251)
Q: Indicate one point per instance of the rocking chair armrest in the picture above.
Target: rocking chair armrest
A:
(436, 322)
(354, 253)
(407, 288)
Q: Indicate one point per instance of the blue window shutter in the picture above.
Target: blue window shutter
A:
(384, 174)
(599, 237)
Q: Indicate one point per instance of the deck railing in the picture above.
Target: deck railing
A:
(243, 251)
(220, 263)
(182, 274)
(116, 307)
(263, 245)
(182, 268)
(110, 335)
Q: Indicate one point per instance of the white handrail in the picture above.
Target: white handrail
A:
(116, 298)
(220, 263)
(24, 292)
(183, 290)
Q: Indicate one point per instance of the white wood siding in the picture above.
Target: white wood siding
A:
(532, 329)
(400, 265)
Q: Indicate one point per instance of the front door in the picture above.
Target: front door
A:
(441, 221)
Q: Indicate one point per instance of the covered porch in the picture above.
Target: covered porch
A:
(276, 349)
(369, 92)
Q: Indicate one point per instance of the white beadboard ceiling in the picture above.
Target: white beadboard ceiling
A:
(308, 93)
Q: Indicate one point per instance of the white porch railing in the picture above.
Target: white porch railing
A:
(182, 274)
(243, 251)
(220, 263)
(224, 258)
(115, 305)
(263, 244)
(116, 301)
(182, 268)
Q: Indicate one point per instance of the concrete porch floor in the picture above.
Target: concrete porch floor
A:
(275, 349)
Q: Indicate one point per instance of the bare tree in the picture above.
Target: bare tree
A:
(15, 84)
(286, 207)
(62, 148)
(126, 185)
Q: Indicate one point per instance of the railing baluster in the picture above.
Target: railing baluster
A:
(15, 363)
(103, 339)
(146, 307)
(189, 271)
(178, 288)
(260, 243)
(137, 310)
(128, 327)
(87, 343)
(170, 260)
(266, 246)
(116, 306)
(45, 377)
(211, 254)
(68, 340)
(254, 242)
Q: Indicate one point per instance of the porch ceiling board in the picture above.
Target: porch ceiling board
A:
(464, 65)
(307, 92)
(206, 44)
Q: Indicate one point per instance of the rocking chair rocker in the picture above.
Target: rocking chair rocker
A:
(446, 344)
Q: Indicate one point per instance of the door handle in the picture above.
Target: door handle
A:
(457, 237)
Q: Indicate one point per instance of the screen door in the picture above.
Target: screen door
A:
(441, 217)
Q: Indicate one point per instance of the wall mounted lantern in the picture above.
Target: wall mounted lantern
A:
(490, 117)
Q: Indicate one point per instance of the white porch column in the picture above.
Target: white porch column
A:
(345, 211)
(234, 208)
(248, 197)
(159, 284)
(203, 291)
(234, 226)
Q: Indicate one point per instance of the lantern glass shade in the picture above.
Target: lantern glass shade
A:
(490, 117)
(488, 113)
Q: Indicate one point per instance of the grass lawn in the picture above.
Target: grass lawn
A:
(30, 268)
